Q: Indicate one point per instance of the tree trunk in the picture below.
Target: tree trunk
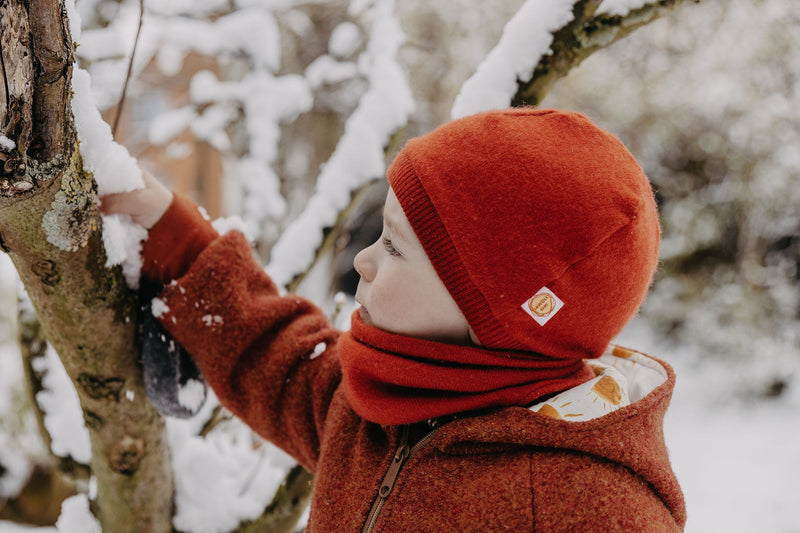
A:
(51, 228)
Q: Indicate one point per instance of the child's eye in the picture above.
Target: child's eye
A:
(389, 247)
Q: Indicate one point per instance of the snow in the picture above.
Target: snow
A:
(526, 38)
(319, 349)
(63, 415)
(16, 446)
(327, 70)
(73, 19)
(76, 516)
(6, 144)
(344, 40)
(223, 479)
(211, 320)
(123, 239)
(225, 224)
(114, 170)
(159, 307)
(620, 7)
(358, 156)
(169, 124)
(192, 395)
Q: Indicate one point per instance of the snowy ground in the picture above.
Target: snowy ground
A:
(737, 461)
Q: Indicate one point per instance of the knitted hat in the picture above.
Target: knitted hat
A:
(542, 226)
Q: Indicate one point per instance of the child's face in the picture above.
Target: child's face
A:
(400, 291)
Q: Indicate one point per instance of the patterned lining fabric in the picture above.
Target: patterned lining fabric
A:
(623, 376)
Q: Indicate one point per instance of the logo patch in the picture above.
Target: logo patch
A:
(543, 305)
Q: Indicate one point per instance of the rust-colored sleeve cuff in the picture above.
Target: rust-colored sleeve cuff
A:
(175, 241)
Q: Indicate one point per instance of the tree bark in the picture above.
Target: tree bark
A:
(51, 228)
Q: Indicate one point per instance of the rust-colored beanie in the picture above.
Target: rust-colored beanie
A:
(541, 225)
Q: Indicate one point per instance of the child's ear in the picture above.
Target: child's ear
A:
(473, 337)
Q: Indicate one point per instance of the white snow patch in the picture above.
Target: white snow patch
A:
(620, 7)
(327, 70)
(526, 38)
(6, 144)
(159, 307)
(73, 19)
(76, 516)
(212, 320)
(192, 395)
(234, 223)
(319, 349)
(123, 241)
(222, 479)
(169, 124)
(344, 40)
(114, 170)
(63, 417)
(12, 527)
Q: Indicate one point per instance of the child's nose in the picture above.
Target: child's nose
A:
(364, 265)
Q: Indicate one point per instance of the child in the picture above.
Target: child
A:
(476, 389)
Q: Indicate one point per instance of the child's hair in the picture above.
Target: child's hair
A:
(542, 226)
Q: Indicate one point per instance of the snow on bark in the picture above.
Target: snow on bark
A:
(114, 170)
(62, 411)
(620, 7)
(526, 38)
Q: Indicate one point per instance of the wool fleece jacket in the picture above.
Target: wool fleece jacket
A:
(272, 360)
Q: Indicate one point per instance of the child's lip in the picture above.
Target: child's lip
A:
(364, 315)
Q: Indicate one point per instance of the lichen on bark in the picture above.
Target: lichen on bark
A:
(73, 214)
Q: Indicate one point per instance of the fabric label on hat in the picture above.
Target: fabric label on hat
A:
(543, 305)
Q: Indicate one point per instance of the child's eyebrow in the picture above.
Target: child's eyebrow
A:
(395, 228)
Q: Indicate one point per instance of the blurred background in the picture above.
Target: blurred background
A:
(239, 105)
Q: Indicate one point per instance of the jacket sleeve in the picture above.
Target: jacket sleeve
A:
(270, 359)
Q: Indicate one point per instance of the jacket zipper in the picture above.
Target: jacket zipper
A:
(401, 457)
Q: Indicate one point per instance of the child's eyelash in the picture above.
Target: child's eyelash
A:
(389, 246)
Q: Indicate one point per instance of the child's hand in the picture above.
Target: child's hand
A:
(145, 206)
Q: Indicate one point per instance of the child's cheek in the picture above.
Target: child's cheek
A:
(392, 306)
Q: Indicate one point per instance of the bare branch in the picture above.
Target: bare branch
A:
(32, 346)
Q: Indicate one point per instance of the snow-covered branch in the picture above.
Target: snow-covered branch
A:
(359, 155)
(544, 41)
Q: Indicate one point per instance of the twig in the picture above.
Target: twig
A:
(217, 417)
(32, 346)
(130, 70)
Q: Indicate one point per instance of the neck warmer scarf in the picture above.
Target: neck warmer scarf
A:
(393, 379)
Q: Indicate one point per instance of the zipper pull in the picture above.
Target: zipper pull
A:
(400, 457)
